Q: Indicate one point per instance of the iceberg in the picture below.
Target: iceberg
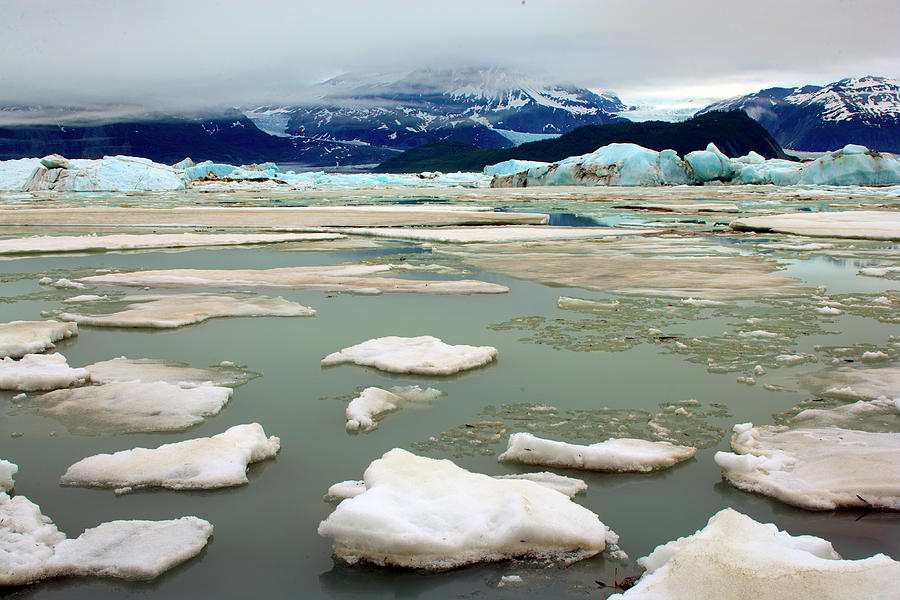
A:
(373, 401)
(39, 372)
(614, 164)
(104, 243)
(423, 355)
(109, 174)
(431, 514)
(18, 338)
(178, 310)
(202, 463)
(630, 165)
(816, 468)
(128, 407)
(735, 557)
(332, 278)
(865, 224)
(7, 470)
(613, 455)
(32, 548)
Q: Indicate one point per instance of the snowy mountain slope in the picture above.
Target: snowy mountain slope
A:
(864, 110)
(477, 105)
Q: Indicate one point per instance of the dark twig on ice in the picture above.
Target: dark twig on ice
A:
(626, 583)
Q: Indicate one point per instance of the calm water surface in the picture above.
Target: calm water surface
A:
(265, 542)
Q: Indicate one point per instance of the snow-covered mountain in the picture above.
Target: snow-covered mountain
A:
(864, 110)
(488, 107)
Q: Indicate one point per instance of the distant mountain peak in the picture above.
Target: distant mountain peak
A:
(858, 110)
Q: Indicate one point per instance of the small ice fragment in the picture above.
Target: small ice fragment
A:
(424, 355)
(616, 455)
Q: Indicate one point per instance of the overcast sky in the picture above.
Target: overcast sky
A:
(195, 53)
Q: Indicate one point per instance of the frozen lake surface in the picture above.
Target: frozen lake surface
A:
(673, 335)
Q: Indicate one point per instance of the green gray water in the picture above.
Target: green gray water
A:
(265, 542)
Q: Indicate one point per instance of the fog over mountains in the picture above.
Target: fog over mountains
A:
(365, 119)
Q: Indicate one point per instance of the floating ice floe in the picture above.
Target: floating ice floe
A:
(202, 463)
(735, 557)
(126, 407)
(373, 401)
(484, 234)
(149, 370)
(32, 548)
(631, 165)
(62, 284)
(178, 310)
(868, 224)
(569, 486)
(880, 415)
(104, 243)
(39, 372)
(297, 218)
(7, 470)
(85, 298)
(816, 468)
(423, 355)
(856, 383)
(615, 455)
(431, 514)
(109, 174)
(674, 267)
(332, 278)
(18, 338)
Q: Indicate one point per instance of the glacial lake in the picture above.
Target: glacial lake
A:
(265, 542)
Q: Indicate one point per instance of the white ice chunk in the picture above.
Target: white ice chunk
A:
(18, 338)
(32, 548)
(109, 174)
(424, 513)
(373, 401)
(868, 224)
(178, 310)
(332, 278)
(39, 372)
(136, 550)
(735, 558)
(472, 235)
(423, 355)
(570, 486)
(149, 370)
(125, 241)
(7, 470)
(616, 455)
(817, 468)
(85, 298)
(345, 489)
(201, 463)
(124, 407)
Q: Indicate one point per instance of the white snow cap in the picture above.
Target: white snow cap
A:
(618, 455)
(32, 548)
(815, 468)
(201, 463)
(736, 558)
(423, 513)
(373, 401)
(178, 310)
(18, 338)
(125, 407)
(7, 470)
(423, 355)
(39, 372)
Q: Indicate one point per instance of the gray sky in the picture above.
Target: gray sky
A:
(183, 54)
